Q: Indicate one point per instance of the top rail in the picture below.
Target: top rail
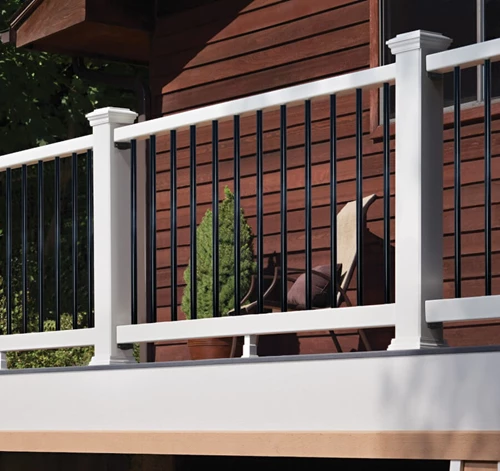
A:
(366, 79)
(475, 54)
(47, 152)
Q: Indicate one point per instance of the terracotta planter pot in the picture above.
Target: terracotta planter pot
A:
(380, 338)
(206, 349)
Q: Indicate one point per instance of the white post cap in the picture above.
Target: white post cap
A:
(110, 115)
(420, 39)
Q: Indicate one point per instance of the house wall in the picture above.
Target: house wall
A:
(228, 49)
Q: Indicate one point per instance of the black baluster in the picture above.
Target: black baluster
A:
(133, 229)
(458, 184)
(74, 245)
(24, 229)
(90, 240)
(152, 232)
(284, 208)
(41, 243)
(333, 201)
(8, 254)
(387, 192)
(308, 209)
(260, 213)
(57, 243)
(359, 194)
(194, 254)
(215, 216)
(237, 218)
(173, 225)
(487, 175)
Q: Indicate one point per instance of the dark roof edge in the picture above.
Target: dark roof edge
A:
(23, 12)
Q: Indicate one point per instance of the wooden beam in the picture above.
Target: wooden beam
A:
(51, 16)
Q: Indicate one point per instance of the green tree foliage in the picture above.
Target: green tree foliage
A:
(63, 357)
(226, 257)
(42, 100)
(46, 358)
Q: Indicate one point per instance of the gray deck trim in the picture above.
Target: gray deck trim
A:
(274, 359)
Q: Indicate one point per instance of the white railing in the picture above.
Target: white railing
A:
(46, 153)
(419, 163)
(250, 326)
(45, 340)
(480, 307)
(344, 84)
(363, 317)
(467, 56)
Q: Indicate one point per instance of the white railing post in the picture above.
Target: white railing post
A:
(3, 361)
(419, 188)
(112, 243)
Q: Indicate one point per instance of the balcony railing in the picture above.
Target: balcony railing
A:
(346, 249)
(124, 252)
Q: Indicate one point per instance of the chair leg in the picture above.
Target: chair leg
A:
(335, 341)
(365, 340)
(234, 344)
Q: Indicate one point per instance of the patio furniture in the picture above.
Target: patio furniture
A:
(321, 279)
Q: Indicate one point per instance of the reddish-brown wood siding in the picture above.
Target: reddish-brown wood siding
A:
(229, 49)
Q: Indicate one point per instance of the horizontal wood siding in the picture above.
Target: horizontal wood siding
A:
(231, 49)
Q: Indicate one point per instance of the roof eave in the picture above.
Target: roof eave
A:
(23, 12)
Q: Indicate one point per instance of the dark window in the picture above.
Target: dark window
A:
(464, 21)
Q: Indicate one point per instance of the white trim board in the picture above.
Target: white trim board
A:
(463, 309)
(445, 392)
(47, 340)
(363, 317)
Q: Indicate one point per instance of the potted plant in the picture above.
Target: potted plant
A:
(220, 347)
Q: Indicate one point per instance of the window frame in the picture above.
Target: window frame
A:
(471, 111)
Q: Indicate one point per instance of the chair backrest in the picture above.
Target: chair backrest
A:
(346, 239)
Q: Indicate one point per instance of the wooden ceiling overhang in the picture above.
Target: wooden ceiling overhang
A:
(108, 29)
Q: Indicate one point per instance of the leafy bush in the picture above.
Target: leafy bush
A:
(42, 358)
(226, 256)
(63, 357)
(51, 358)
